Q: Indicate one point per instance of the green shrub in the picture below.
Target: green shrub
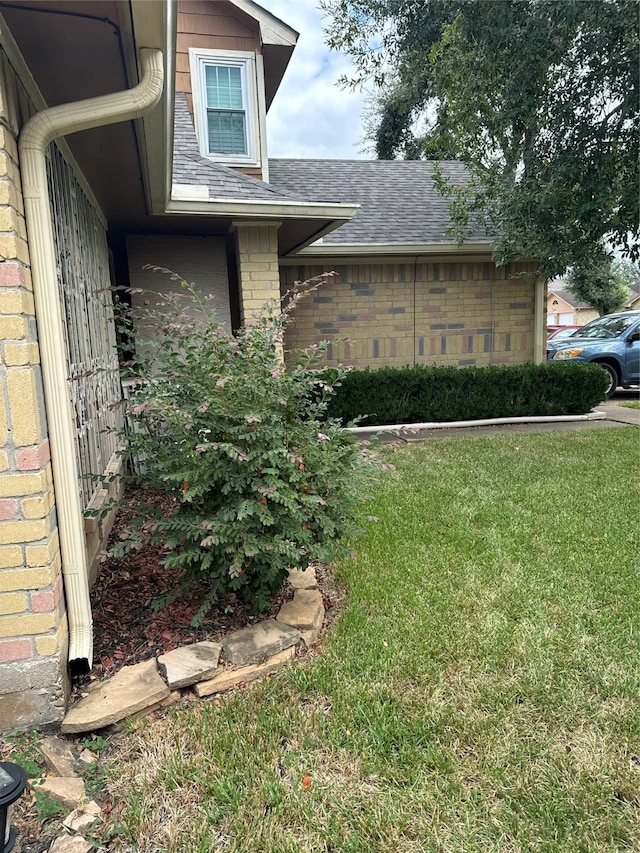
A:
(262, 480)
(441, 394)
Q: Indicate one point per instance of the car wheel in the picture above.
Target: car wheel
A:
(613, 378)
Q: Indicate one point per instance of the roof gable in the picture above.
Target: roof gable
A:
(272, 29)
(568, 297)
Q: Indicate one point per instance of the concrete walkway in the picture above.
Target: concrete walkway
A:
(615, 412)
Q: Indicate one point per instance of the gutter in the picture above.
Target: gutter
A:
(534, 419)
(40, 130)
(350, 249)
(194, 201)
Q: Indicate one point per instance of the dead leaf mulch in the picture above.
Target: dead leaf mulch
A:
(127, 628)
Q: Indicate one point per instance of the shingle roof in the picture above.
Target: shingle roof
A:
(569, 298)
(398, 198)
(189, 167)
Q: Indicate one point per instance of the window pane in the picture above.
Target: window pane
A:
(226, 133)
(224, 87)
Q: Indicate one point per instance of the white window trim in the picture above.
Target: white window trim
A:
(199, 58)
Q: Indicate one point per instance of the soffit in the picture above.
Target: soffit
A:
(78, 49)
(291, 233)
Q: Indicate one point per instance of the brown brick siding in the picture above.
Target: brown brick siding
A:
(417, 313)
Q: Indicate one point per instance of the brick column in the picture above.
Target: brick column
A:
(258, 271)
(33, 624)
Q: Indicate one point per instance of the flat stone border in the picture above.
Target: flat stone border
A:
(205, 667)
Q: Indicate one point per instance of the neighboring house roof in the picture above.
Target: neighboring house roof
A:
(568, 297)
(634, 294)
(222, 182)
(399, 203)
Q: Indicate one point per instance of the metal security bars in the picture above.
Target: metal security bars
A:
(84, 282)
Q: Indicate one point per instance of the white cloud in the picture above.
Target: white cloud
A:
(310, 115)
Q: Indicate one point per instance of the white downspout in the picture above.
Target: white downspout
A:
(40, 130)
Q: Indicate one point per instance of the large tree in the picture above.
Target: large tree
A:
(540, 98)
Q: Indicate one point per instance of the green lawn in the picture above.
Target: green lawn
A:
(480, 692)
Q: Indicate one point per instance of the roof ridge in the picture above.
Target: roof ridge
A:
(359, 160)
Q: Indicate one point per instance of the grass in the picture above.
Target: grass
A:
(479, 692)
(632, 404)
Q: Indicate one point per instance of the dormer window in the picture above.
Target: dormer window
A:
(225, 105)
(226, 110)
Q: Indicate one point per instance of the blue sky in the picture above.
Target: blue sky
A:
(311, 116)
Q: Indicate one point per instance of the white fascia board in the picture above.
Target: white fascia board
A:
(410, 249)
(260, 208)
(155, 25)
(272, 29)
(361, 258)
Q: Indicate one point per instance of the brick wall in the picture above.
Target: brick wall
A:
(33, 625)
(396, 314)
(258, 269)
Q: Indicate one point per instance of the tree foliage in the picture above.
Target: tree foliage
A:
(539, 98)
(600, 281)
(627, 272)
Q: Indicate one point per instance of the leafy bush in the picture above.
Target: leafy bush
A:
(440, 394)
(262, 480)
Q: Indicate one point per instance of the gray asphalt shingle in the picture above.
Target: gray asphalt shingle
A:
(399, 201)
(189, 167)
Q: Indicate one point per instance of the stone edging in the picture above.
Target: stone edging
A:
(139, 689)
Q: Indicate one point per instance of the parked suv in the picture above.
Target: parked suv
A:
(612, 341)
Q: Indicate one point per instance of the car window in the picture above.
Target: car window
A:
(607, 328)
(565, 333)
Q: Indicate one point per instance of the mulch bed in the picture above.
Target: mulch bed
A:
(127, 629)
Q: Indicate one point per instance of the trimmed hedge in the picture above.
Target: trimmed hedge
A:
(438, 394)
